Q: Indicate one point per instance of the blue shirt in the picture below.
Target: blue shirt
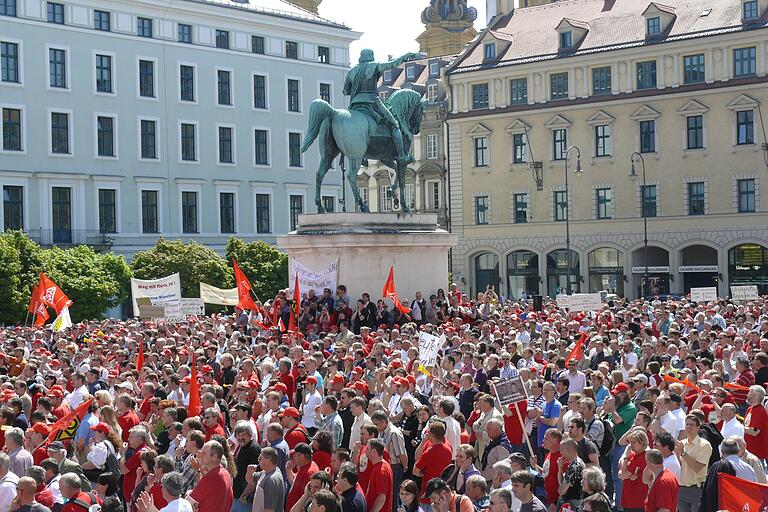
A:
(551, 410)
(601, 394)
(84, 431)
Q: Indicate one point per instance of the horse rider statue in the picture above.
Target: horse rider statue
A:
(360, 85)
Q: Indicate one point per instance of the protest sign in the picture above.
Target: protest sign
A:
(212, 295)
(510, 391)
(744, 292)
(704, 294)
(580, 301)
(165, 291)
(313, 280)
(192, 307)
(429, 346)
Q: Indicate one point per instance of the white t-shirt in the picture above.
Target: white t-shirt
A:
(732, 427)
(179, 505)
(673, 465)
(8, 490)
(668, 423)
(99, 453)
(310, 402)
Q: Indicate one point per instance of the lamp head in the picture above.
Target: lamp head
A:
(578, 170)
(633, 172)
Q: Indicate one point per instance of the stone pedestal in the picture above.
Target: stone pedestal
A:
(367, 244)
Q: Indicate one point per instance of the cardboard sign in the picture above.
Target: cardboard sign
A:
(429, 346)
(151, 312)
(580, 301)
(311, 279)
(192, 307)
(510, 391)
(744, 292)
(704, 294)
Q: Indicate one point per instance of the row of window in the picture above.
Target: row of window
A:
(603, 139)
(61, 209)
(147, 84)
(605, 207)
(102, 20)
(106, 143)
(744, 66)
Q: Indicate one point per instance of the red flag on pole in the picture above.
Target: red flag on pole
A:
(193, 409)
(578, 351)
(685, 383)
(389, 291)
(244, 300)
(41, 315)
(140, 359)
(65, 424)
(51, 295)
(293, 320)
(34, 299)
(736, 494)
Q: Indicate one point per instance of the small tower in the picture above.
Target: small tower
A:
(448, 27)
(309, 5)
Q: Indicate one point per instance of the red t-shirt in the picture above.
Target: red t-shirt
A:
(214, 491)
(300, 482)
(634, 492)
(322, 459)
(127, 421)
(432, 463)
(290, 383)
(550, 482)
(61, 410)
(145, 407)
(44, 496)
(209, 433)
(663, 493)
(40, 455)
(381, 481)
(512, 426)
(129, 479)
(757, 418)
(157, 496)
(296, 435)
(83, 496)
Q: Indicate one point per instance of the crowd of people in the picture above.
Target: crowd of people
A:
(637, 406)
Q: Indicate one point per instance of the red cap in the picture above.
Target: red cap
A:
(56, 392)
(619, 388)
(280, 386)
(291, 412)
(101, 427)
(310, 380)
(186, 380)
(396, 363)
(338, 379)
(411, 379)
(361, 386)
(41, 428)
(206, 369)
(357, 370)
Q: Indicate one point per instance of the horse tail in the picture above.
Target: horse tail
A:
(319, 111)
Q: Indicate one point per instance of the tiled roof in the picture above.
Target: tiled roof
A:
(423, 76)
(612, 24)
(280, 8)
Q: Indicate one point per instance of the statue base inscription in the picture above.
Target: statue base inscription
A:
(367, 244)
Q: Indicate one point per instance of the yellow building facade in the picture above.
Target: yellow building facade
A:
(675, 89)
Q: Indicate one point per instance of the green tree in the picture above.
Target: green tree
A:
(193, 261)
(31, 259)
(264, 265)
(12, 302)
(94, 282)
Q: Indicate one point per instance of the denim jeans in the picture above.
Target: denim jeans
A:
(397, 478)
(239, 506)
(618, 451)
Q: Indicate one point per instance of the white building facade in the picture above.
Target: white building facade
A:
(125, 120)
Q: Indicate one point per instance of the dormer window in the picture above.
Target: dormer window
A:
(388, 76)
(490, 51)
(410, 73)
(654, 26)
(434, 68)
(750, 10)
(566, 40)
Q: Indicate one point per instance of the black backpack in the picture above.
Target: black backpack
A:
(609, 437)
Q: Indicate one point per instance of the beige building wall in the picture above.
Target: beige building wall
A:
(691, 242)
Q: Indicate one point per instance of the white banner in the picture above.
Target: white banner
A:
(212, 295)
(744, 292)
(580, 301)
(192, 307)
(313, 280)
(164, 291)
(704, 294)
(429, 346)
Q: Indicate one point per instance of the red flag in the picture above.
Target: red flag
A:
(685, 383)
(244, 300)
(736, 387)
(736, 494)
(277, 308)
(41, 315)
(578, 351)
(51, 295)
(34, 299)
(389, 291)
(193, 409)
(64, 425)
(140, 359)
(293, 320)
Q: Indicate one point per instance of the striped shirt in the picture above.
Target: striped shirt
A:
(394, 443)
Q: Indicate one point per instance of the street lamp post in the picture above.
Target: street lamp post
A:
(633, 176)
(578, 171)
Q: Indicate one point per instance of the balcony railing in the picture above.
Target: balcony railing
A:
(71, 237)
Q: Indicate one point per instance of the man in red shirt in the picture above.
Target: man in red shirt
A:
(128, 418)
(662, 495)
(211, 424)
(137, 441)
(213, 493)
(286, 377)
(295, 432)
(435, 457)
(37, 437)
(551, 443)
(75, 500)
(299, 470)
(378, 495)
(60, 407)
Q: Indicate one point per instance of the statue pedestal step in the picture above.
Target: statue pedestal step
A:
(367, 244)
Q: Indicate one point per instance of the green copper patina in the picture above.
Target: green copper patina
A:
(368, 129)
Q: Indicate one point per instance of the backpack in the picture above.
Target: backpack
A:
(459, 497)
(609, 437)
(86, 506)
(112, 465)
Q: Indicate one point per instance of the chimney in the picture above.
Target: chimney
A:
(498, 7)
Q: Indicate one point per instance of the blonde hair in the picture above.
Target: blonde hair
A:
(109, 416)
(103, 397)
(638, 435)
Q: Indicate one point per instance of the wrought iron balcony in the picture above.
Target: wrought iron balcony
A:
(71, 237)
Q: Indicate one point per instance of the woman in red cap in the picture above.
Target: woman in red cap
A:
(104, 453)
